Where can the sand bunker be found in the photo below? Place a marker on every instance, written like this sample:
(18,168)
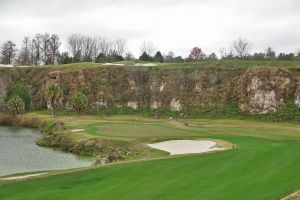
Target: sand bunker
(146,64)
(77,130)
(22,177)
(112,64)
(177,147)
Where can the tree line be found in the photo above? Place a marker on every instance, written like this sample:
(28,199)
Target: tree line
(44,49)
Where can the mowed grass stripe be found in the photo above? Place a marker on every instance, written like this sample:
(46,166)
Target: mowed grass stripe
(258,169)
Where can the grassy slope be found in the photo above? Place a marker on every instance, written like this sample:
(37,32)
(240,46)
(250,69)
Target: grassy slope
(203,64)
(265,166)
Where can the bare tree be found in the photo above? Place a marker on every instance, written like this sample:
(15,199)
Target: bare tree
(25,53)
(223,52)
(74,43)
(270,53)
(45,47)
(54,48)
(8,52)
(129,56)
(88,48)
(147,47)
(241,47)
(119,46)
(104,45)
(36,49)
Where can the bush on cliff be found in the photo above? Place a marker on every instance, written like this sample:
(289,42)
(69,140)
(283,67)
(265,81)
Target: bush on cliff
(21,90)
(79,102)
(16,105)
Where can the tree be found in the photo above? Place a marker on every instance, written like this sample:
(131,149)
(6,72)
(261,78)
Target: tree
(36,49)
(259,56)
(196,54)
(74,44)
(241,47)
(101,58)
(16,105)
(148,48)
(25,54)
(64,58)
(145,57)
(103,46)
(270,53)
(54,94)
(298,56)
(79,102)
(169,57)
(119,46)
(45,47)
(115,58)
(287,57)
(158,57)
(129,56)
(88,48)
(212,56)
(178,59)
(223,52)
(8,52)
(54,48)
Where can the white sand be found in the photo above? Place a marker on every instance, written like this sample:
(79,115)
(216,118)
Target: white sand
(77,130)
(112,64)
(146,64)
(177,147)
(23,66)
(22,177)
(1,65)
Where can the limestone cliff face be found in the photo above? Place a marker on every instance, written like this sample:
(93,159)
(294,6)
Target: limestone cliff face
(257,90)
(5,80)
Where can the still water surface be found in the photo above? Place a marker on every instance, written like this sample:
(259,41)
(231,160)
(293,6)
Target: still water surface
(19,153)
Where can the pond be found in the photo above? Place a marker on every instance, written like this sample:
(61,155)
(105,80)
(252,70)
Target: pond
(19,153)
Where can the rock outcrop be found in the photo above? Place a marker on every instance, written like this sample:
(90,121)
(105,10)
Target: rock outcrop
(256,90)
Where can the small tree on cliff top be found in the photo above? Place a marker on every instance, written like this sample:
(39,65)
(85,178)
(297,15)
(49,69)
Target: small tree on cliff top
(54,94)
(16,105)
(196,54)
(79,102)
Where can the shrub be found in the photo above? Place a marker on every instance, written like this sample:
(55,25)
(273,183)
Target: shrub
(21,90)
(79,102)
(16,105)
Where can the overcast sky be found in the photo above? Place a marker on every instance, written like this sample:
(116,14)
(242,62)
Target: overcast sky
(176,25)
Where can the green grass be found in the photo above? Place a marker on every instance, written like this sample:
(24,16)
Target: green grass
(265,166)
(232,64)
(137,130)
(287,113)
(203,64)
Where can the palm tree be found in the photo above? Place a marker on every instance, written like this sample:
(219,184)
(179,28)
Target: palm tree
(54,94)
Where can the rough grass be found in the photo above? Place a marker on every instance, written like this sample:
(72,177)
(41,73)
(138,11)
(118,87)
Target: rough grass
(203,64)
(264,166)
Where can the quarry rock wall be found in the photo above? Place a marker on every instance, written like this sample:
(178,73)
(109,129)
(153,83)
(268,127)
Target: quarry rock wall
(257,90)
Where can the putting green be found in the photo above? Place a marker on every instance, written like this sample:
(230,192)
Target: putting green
(134,131)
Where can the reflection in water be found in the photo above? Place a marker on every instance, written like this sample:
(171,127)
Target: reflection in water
(19,153)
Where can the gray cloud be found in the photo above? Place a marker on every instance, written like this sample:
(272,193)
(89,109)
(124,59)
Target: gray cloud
(170,24)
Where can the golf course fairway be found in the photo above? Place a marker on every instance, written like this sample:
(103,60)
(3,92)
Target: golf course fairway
(265,165)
